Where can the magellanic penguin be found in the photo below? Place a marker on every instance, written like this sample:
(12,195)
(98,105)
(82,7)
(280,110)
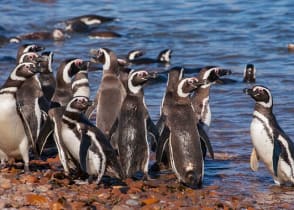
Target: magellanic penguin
(182,137)
(30,100)
(65,72)
(200,98)
(28,48)
(85,23)
(270,143)
(163,57)
(14,142)
(129,135)
(249,74)
(175,74)
(56,34)
(111,92)
(47,78)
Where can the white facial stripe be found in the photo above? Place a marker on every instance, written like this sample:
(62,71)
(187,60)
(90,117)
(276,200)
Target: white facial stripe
(207,73)
(166,56)
(13,75)
(133,55)
(9,89)
(132,88)
(28,48)
(254,71)
(106,66)
(80,81)
(180,89)
(50,62)
(65,74)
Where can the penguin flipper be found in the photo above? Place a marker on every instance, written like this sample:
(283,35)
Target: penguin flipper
(84,147)
(161,124)
(44,134)
(113,135)
(160,150)
(205,139)
(26,127)
(276,155)
(254,160)
(152,130)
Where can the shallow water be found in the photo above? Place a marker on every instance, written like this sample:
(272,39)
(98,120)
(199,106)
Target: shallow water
(225,33)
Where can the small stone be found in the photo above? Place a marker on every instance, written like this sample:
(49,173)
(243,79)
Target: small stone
(134,196)
(5,183)
(132,202)
(121,207)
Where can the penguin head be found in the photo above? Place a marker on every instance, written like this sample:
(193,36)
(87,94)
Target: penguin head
(261,95)
(249,73)
(137,79)
(45,62)
(28,57)
(23,71)
(78,104)
(133,54)
(192,179)
(28,48)
(58,34)
(77,65)
(175,74)
(104,56)
(211,74)
(187,86)
(165,56)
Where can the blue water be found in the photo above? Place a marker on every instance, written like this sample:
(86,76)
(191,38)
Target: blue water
(226,33)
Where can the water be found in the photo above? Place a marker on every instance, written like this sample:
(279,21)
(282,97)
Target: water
(225,33)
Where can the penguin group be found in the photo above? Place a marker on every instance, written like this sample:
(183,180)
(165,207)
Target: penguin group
(41,104)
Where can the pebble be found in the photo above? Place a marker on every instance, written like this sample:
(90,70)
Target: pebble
(132,202)
(122,207)
(134,196)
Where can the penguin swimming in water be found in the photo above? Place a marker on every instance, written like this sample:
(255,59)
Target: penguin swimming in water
(129,135)
(249,73)
(182,137)
(67,69)
(14,142)
(270,143)
(111,92)
(164,57)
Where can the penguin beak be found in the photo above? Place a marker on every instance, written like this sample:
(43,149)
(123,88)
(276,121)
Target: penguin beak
(90,103)
(151,75)
(39,48)
(85,65)
(248,91)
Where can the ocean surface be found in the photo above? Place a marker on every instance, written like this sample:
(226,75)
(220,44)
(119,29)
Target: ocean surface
(228,34)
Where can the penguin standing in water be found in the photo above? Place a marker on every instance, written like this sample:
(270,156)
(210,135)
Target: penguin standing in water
(182,137)
(249,75)
(270,143)
(111,92)
(129,135)
(14,142)
(65,72)
(200,98)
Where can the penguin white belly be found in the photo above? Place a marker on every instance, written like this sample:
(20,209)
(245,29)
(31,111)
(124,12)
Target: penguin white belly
(71,142)
(11,130)
(262,143)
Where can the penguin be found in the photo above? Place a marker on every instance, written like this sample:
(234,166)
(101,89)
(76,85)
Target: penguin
(85,23)
(31,103)
(249,75)
(111,92)
(133,54)
(163,57)
(28,48)
(182,137)
(270,143)
(103,35)
(47,78)
(200,99)
(14,142)
(130,132)
(56,34)
(66,70)
(175,74)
